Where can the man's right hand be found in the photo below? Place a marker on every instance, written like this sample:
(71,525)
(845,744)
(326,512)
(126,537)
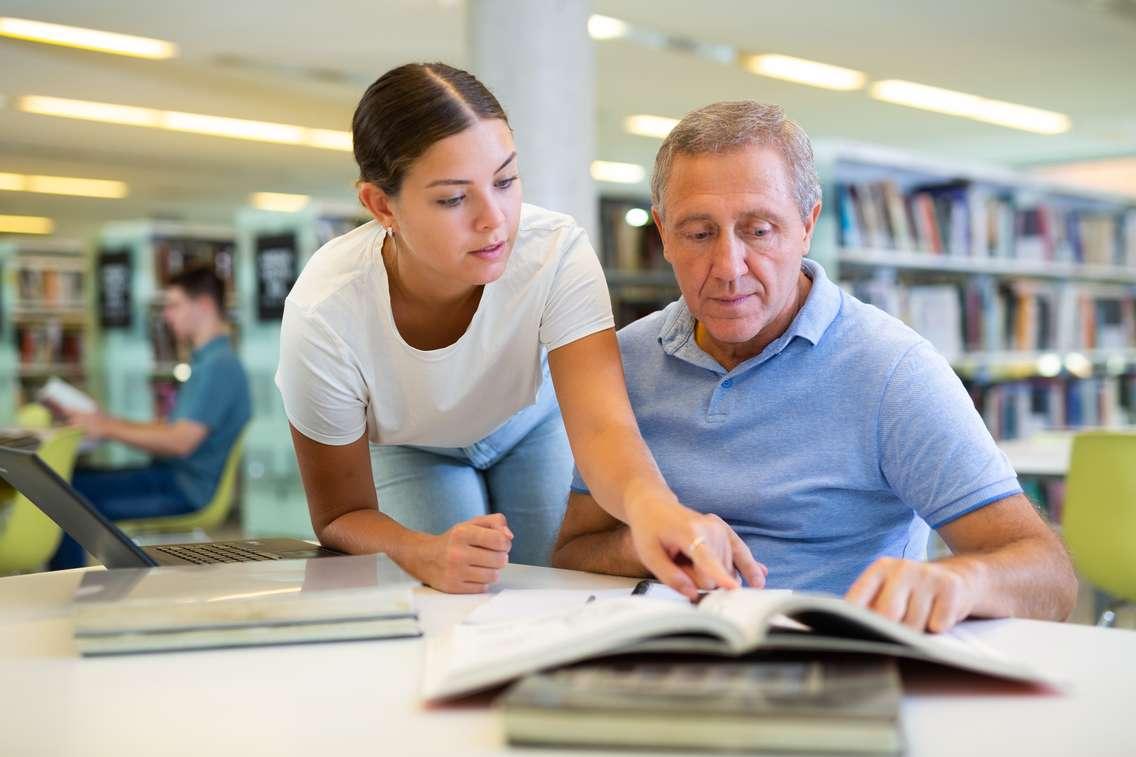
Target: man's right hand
(467,559)
(688,550)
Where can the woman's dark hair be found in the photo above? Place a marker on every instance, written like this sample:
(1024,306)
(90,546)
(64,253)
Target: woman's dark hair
(201,281)
(407,110)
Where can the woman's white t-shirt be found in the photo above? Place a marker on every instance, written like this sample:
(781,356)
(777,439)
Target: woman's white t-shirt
(345,369)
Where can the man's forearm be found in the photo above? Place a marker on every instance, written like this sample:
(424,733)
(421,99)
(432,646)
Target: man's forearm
(608,551)
(154,438)
(1029,578)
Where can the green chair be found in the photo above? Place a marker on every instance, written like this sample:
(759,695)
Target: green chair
(33,415)
(1099,520)
(28,538)
(211,516)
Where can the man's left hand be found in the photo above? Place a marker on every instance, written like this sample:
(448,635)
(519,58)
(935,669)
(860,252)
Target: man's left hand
(931,596)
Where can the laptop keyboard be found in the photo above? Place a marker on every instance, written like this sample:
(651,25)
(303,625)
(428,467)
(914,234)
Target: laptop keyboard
(202,554)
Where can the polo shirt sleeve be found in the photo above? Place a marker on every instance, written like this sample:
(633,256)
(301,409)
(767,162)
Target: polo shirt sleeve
(934,449)
(578,303)
(325,397)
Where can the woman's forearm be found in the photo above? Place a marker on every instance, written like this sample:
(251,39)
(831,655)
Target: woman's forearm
(367,531)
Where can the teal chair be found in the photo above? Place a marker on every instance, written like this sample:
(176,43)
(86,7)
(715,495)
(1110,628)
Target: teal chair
(1099,520)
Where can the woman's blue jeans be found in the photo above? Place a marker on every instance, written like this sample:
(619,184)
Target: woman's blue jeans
(522,470)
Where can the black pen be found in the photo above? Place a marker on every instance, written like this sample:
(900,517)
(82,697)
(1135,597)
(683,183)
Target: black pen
(642,587)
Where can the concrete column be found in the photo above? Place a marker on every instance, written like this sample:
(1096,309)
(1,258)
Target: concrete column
(537,58)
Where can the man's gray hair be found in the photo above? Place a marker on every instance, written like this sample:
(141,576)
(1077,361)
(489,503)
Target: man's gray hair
(726,126)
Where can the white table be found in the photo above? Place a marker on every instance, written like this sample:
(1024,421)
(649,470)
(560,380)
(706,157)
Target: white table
(360,698)
(1045,454)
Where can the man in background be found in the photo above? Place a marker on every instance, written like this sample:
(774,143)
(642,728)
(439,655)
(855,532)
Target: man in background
(190,447)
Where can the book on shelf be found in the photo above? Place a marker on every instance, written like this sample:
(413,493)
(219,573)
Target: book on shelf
(49,342)
(243,604)
(1021,315)
(849,705)
(472,658)
(967,219)
(1017,409)
(49,287)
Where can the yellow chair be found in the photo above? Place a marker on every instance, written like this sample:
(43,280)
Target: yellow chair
(1099,519)
(28,538)
(33,415)
(212,515)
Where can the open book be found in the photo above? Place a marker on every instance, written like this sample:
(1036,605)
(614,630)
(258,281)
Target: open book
(60,396)
(727,623)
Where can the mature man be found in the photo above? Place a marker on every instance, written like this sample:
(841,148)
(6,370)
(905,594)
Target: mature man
(190,447)
(824,432)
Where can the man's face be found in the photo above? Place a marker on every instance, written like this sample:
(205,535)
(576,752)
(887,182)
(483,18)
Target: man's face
(734,235)
(180,312)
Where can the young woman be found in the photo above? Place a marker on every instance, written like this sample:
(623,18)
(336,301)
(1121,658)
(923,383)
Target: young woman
(417,353)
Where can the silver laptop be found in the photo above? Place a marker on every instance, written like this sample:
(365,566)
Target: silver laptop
(28,474)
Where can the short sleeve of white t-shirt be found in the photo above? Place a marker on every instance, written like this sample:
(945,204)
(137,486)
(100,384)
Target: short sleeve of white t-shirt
(326,398)
(345,370)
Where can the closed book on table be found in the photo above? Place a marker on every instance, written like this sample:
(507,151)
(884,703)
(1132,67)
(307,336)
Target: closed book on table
(243,604)
(843,705)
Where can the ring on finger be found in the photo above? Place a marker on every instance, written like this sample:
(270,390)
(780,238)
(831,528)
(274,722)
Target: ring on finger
(698,542)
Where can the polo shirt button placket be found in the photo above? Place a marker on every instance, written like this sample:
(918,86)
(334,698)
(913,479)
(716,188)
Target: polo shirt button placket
(716,412)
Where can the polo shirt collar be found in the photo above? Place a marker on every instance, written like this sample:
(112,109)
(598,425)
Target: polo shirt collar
(676,335)
(213,345)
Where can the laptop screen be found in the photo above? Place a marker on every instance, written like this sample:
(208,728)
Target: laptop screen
(59,501)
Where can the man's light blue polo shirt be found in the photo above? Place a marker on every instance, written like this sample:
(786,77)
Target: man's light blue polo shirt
(836,445)
(217,396)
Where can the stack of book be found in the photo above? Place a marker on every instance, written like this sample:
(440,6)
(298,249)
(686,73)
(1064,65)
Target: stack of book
(243,604)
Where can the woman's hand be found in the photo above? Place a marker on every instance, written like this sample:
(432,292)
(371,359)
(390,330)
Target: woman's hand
(689,551)
(467,559)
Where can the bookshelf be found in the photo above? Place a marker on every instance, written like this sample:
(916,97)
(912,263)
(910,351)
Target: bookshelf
(142,363)
(46,319)
(1027,287)
(272,248)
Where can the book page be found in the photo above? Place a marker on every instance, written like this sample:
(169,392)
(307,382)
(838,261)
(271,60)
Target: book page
(749,610)
(475,656)
(59,393)
(517,604)
(484,645)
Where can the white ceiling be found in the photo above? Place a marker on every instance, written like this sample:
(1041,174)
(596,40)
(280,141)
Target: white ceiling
(307,64)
